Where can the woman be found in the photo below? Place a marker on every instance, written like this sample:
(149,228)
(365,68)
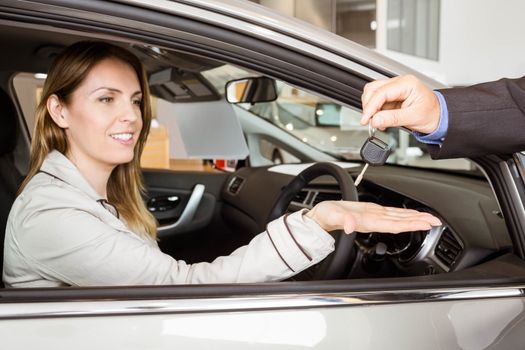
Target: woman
(80,220)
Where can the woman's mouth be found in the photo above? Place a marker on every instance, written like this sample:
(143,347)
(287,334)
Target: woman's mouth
(124,138)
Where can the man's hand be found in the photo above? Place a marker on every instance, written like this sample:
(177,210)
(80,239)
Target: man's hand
(369,217)
(400,101)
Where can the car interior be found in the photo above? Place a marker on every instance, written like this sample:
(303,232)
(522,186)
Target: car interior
(229,208)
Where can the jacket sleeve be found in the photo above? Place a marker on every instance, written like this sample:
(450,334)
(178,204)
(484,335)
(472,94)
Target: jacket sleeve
(78,249)
(487,118)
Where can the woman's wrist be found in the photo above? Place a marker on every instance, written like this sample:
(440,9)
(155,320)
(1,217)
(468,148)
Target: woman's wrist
(309,213)
(313,215)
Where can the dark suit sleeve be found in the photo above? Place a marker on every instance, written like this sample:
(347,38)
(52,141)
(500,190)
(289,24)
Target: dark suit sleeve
(488,118)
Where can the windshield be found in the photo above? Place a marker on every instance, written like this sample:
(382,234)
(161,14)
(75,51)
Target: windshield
(330,126)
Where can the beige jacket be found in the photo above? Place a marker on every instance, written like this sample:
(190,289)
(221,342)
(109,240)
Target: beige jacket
(59,235)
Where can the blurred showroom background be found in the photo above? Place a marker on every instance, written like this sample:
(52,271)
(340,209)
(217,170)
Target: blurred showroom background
(457,42)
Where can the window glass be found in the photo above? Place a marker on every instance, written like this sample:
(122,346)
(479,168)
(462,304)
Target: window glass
(276,154)
(323,124)
(319,122)
(335,129)
(28,89)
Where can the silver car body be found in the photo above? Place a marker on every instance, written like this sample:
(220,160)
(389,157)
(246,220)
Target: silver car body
(437,319)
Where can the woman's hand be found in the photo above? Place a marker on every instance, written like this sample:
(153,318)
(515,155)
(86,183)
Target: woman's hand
(369,217)
(400,101)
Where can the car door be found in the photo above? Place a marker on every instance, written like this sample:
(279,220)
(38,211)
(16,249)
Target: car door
(480,307)
(187,206)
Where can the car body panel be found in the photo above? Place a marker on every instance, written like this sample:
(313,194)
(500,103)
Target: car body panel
(466,319)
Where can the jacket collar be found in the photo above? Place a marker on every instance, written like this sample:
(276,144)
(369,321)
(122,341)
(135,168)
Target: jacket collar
(58,165)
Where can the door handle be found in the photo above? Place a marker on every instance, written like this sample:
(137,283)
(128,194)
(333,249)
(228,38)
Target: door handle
(187,214)
(163,207)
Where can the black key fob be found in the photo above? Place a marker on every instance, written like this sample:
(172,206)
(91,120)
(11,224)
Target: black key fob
(375,152)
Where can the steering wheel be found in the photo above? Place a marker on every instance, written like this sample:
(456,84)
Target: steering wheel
(334,265)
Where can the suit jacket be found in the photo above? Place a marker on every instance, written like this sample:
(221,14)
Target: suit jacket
(487,118)
(59,235)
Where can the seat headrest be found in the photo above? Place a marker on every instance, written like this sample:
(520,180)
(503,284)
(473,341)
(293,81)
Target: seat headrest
(8,122)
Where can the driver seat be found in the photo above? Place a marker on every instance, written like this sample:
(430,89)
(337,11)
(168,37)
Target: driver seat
(10,177)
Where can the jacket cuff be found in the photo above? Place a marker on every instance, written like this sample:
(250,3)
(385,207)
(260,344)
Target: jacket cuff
(299,241)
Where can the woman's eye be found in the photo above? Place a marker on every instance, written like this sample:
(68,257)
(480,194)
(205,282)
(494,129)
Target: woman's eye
(106,99)
(137,102)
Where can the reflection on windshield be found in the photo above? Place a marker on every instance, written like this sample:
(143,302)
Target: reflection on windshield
(281,115)
(323,124)
(329,126)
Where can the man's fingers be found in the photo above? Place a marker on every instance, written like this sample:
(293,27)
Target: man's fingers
(371,88)
(391,105)
(390,118)
(376,95)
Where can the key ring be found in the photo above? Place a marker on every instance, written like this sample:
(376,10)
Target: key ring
(371,130)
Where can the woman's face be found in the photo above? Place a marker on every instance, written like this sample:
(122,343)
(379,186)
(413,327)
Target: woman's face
(103,118)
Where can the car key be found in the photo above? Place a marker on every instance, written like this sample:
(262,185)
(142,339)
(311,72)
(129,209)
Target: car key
(374,152)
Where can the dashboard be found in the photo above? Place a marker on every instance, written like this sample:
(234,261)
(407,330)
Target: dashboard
(409,253)
(473,228)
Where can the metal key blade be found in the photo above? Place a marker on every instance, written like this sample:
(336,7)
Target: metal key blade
(360,176)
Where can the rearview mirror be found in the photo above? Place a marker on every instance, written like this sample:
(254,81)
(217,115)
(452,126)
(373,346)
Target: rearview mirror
(251,90)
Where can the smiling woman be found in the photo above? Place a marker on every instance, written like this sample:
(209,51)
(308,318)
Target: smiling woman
(88,98)
(80,219)
(101,123)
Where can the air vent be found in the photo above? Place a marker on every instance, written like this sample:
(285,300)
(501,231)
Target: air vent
(448,248)
(326,196)
(300,197)
(235,185)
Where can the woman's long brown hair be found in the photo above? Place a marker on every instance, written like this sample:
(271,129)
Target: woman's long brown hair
(68,71)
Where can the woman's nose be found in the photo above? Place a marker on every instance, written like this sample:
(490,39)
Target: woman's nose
(131,113)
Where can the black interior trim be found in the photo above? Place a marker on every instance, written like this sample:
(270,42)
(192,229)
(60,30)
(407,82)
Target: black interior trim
(185,180)
(491,166)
